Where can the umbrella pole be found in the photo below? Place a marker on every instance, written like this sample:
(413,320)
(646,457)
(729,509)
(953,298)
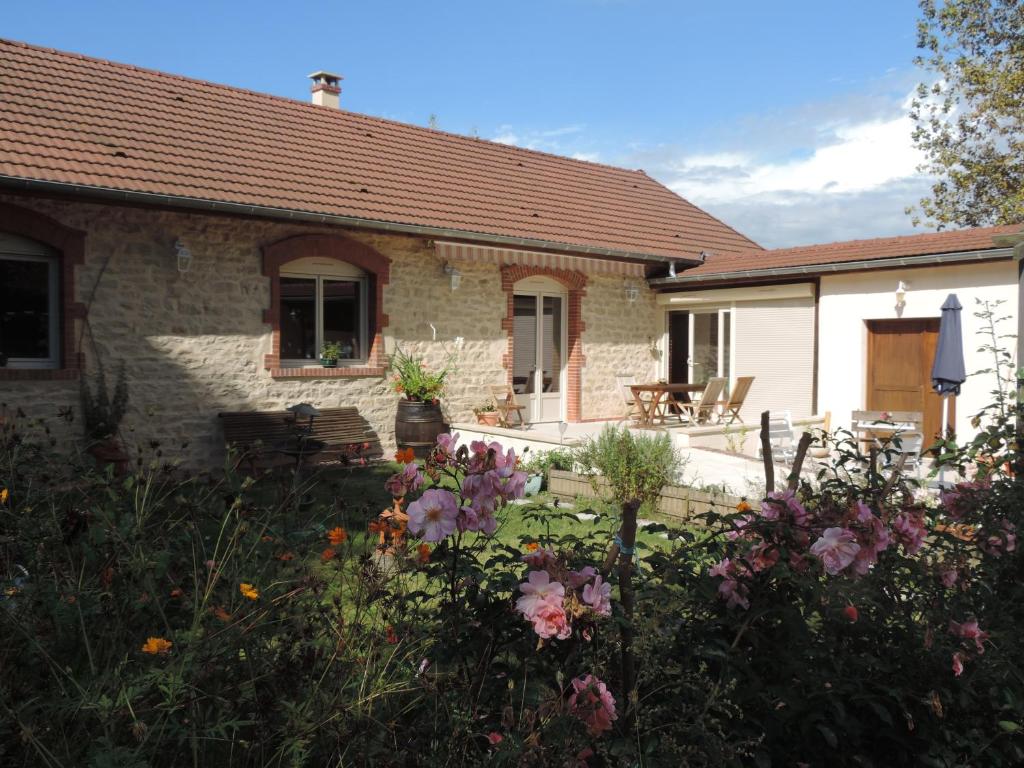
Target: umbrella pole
(942,437)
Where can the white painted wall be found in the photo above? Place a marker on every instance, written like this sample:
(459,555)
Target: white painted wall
(847,301)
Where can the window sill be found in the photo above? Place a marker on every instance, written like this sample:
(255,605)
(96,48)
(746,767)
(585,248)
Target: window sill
(39,374)
(348,372)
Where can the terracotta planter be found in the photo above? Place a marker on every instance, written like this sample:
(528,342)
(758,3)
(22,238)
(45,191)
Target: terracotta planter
(490,418)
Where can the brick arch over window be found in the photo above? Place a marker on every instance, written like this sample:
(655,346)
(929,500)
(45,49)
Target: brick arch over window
(339,248)
(70,243)
(576,285)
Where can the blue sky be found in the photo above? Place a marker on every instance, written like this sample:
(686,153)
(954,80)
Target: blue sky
(787,119)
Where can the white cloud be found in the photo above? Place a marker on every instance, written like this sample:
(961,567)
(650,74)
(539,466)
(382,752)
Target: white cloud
(839,170)
(546,140)
(859,158)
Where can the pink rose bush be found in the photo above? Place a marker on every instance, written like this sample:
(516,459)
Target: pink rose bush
(485,475)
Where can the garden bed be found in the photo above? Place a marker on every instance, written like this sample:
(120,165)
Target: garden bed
(677,502)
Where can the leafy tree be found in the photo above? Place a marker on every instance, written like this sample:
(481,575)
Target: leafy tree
(970,118)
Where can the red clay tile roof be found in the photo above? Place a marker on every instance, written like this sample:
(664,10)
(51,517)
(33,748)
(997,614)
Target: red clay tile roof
(957,241)
(116,126)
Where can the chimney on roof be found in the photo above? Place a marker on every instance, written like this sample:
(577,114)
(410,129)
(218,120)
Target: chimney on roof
(326,89)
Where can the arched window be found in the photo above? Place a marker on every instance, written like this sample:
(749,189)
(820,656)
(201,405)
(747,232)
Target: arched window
(30,305)
(323,301)
(325,288)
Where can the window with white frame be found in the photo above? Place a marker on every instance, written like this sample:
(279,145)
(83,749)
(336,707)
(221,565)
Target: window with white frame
(29,304)
(323,301)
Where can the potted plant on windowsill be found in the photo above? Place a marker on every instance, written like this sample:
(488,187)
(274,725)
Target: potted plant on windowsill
(487,414)
(102,414)
(329,354)
(419,419)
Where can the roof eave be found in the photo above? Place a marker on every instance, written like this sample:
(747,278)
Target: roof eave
(811,270)
(469,236)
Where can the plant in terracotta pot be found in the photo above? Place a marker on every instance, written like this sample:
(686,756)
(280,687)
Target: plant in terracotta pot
(329,354)
(102,413)
(419,419)
(487,414)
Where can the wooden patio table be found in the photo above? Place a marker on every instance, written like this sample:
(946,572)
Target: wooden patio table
(657,392)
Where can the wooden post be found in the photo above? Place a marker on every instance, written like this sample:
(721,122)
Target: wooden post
(766,454)
(798,460)
(1018,254)
(627,535)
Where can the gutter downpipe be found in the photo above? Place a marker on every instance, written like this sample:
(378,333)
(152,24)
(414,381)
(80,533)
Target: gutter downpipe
(957,257)
(243,209)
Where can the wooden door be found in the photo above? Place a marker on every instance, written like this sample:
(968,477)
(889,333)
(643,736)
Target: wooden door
(900,355)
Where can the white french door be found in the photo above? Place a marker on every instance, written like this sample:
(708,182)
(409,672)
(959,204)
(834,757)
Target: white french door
(539,353)
(710,345)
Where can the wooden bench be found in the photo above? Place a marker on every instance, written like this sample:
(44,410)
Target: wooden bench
(256,436)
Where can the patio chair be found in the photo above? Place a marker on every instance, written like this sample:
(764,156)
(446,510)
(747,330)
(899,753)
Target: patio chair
(508,408)
(731,407)
(780,436)
(624,382)
(702,411)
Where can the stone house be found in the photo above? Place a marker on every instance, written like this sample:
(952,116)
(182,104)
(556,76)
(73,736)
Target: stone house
(213,239)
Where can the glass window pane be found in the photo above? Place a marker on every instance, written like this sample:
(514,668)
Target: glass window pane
(705,347)
(25,309)
(524,343)
(552,344)
(298,318)
(342,312)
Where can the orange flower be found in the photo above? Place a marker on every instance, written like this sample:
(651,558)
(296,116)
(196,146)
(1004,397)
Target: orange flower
(391,636)
(155,645)
(221,614)
(328,554)
(177,592)
(405,456)
(337,536)
(249,591)
(4,495)
(377,527)
(533,546)
(399,529)
(423,550)
(743,506)
(284,557)
(266,538)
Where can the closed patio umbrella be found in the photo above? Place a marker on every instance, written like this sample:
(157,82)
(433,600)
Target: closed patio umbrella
(948,371)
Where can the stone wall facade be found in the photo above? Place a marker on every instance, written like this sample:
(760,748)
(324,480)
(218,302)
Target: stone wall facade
(194,344)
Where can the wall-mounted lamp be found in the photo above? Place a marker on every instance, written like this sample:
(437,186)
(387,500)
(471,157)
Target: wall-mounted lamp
(454,276)
(631,291)
(901,294)
(184,256)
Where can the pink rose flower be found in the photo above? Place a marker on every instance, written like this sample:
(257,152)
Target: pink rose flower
(549,620)
(969,630)
(433,515)
(593,703)
(537,589)
(910,532)
(578,578)
(599,596)
(541,558)
(958,663)
(836,549)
